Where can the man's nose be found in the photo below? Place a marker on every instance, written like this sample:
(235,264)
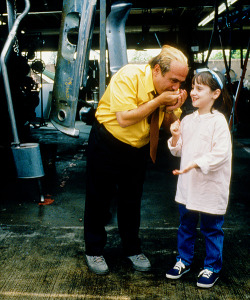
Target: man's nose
(176,86)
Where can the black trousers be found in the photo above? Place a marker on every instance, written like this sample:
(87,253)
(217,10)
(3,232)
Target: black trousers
(113,168)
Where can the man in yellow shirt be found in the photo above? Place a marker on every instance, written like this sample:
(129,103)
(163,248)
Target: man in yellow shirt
(118,150)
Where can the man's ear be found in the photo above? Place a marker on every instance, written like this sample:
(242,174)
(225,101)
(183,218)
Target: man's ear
(156,69)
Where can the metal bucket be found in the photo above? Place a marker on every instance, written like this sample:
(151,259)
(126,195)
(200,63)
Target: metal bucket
(28,160)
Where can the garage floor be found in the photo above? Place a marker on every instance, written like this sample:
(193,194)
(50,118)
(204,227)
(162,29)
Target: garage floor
(42,246)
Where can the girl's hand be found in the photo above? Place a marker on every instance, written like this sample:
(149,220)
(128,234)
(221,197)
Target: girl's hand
(191,166)
(175,128)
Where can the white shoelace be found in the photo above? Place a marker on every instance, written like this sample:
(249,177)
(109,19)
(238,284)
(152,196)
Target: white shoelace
(98,259)
(205,273)
(179,265)
(140,257)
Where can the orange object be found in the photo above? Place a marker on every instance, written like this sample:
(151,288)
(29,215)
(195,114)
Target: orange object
(47,200)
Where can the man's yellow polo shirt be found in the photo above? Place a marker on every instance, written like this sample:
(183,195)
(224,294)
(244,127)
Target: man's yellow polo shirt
(129,88)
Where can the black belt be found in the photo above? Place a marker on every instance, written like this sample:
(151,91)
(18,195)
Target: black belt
(108,137)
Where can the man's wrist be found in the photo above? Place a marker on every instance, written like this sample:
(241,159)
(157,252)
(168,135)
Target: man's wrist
(168,111)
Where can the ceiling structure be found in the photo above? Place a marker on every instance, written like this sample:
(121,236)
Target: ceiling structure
(149,24)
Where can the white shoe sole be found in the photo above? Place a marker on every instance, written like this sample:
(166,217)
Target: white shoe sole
(206,286)
(97,272)
(141,269)
(178,276)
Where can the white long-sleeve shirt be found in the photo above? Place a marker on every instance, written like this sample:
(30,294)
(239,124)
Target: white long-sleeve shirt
(205,140)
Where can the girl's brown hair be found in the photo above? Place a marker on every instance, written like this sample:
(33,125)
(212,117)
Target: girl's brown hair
(224,102)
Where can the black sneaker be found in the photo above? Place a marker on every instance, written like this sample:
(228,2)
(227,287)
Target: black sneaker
(207,278)
(178,270)
(97,264)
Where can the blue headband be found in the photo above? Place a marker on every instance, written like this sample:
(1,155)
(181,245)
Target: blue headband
(214,75)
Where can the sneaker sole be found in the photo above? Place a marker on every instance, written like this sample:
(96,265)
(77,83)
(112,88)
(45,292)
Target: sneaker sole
(206,286)
(178,276)
(141,269)
(98,272)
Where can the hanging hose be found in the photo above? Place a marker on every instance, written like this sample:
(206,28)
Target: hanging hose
(214,30)
(237,96)
(8,44)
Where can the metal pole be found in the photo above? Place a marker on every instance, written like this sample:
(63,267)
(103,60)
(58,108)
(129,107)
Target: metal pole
(102,68)
(11,13)
(7,45)
(157,40)
(42,121)
(11,20)
(239,87)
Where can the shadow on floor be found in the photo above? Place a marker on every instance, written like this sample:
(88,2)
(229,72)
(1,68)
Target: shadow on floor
(42,247)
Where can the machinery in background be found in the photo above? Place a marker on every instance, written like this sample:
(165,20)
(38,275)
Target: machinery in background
(76,90)
(73,77)
(72,62)
(27,157)
(89,95)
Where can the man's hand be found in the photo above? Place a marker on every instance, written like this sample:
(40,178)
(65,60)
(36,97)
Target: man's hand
(182,96)
(172,100)
(191,166)
(168,98)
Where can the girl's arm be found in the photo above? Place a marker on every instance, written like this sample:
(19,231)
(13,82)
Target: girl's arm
(175,129)
(220,153)
(221,149)
(191,166)
(174,143)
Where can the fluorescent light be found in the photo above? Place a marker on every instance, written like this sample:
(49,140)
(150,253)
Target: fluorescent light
(221,8)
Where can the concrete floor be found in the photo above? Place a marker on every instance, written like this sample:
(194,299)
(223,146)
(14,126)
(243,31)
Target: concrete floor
(42,247)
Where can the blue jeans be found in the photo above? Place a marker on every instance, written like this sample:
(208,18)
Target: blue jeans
(211,228)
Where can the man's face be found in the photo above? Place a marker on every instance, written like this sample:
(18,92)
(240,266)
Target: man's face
(172,80)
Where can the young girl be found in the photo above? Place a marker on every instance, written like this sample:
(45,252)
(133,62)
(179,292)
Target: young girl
(203,141)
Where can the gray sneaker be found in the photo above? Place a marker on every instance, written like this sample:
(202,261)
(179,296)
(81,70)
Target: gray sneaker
(140,262)
(97,264)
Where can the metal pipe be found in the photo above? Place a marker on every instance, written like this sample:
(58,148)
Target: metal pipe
(239,87)
(116,39)
(11,20)
(157,40)
(102,66)
(11,13)
(6,47)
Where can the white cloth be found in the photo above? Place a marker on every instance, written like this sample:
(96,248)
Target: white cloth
(205,140)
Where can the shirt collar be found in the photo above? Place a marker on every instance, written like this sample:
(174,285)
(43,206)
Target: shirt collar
(149,85)
(199,117)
